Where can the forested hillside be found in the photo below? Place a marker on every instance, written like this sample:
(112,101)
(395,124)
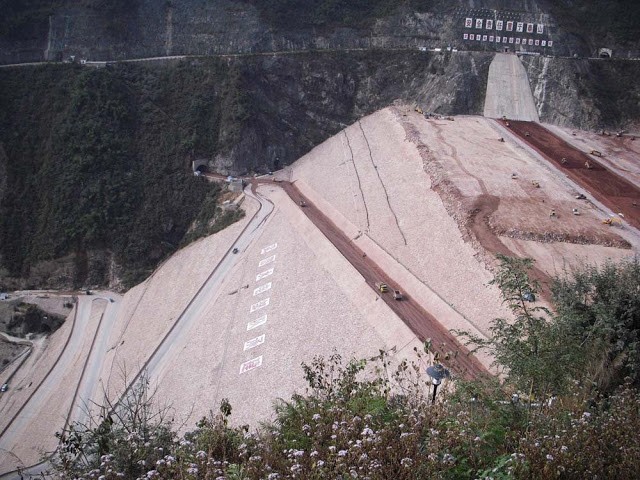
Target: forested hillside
(97,167)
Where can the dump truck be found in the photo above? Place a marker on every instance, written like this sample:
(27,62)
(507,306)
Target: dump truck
(382,287)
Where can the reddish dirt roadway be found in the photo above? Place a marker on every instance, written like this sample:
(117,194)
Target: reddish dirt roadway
(417,319)
(612,190)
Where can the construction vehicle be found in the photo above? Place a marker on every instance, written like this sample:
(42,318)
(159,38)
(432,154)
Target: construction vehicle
(588,165)
(419,110)
(580,196)
(535,184)
(514,176)
(595,153)
(397,295)
(501,139)
(526,134)
(382,287)
(563,161)
(303,203)
(575,211)
(611,221)
(552,213)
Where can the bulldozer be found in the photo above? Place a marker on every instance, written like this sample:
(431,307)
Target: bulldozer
(382,287)
(596,153)
(611,221)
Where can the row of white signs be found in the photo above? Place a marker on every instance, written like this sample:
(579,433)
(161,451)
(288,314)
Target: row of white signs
(500,24)
(517,41)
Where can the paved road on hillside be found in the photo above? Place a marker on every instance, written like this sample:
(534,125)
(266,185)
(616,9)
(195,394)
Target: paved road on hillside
(161,358)
(83,331)
(508,90)
(175,339)
(421,322)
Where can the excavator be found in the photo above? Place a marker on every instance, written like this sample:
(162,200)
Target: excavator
(611,221)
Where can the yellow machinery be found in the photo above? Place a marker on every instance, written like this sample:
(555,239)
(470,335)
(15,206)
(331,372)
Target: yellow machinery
(595,153)
(535,184)
(612,221)
(382,287)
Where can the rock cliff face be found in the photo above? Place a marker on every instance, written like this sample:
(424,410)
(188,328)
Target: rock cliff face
(99,30)
(297,101)
(585,93)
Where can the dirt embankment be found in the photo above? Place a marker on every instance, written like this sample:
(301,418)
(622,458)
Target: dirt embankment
(472,214)
(613,191)
(421,322)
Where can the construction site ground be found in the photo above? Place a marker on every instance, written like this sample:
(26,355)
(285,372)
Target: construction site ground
(620,154)
(428,201)
(617,193)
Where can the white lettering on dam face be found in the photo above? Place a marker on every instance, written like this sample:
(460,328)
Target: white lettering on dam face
(251,364)
(267,261)
(254,342)
(262,289)
(256,323)
(268,249)
(259,305)
(264,274)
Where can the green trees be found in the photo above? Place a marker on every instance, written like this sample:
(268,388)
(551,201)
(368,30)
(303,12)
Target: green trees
(529,349)
(99,160)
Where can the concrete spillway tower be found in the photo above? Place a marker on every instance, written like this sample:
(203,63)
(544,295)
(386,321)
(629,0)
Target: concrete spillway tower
(508,90)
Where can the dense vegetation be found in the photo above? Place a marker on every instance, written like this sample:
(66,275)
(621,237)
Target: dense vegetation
(28,318)
(296,14)
(600,20)
(356,421)
(99,160)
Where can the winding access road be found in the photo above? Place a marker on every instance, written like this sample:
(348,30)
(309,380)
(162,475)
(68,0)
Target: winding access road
(87,388)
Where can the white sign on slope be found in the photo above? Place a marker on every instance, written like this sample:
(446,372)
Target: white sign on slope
(256,323)
(262,289)
(267,261)
(268,249)
(264,274)
(251,364)
(259,305)
(254,342)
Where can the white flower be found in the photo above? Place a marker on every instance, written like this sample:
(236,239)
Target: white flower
(316,417)
(298,453)
(586,415)
(201,455)
(406,462)
(477,439)
(152,473)
(320,463)
(192,470)
(549,457)
(563,448)
(273,476)
(366,432)
(342,453)
(314,453)
(448,458)
(332,448)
